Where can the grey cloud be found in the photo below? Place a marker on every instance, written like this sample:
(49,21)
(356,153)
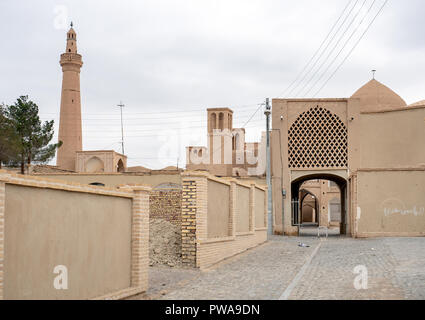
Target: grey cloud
(162,56)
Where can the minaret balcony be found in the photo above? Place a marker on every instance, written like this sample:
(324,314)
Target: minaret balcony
(73,58)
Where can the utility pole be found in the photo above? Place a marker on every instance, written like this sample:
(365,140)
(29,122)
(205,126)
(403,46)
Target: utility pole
(267,112)
(121,105)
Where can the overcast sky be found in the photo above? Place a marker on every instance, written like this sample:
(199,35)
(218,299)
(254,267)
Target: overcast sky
(170,60)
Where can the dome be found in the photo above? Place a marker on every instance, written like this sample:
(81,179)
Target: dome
(374,96)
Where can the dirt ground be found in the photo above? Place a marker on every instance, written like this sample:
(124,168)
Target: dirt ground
(164,244)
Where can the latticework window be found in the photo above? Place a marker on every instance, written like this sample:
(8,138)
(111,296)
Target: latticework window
(318,139)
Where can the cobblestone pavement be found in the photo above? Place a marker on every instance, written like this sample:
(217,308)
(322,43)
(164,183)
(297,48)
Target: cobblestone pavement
(164,279)
(396,270)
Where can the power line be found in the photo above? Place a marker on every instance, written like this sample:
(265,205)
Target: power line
(332,50)
(167,120)
(326,48)
(56,115)
(317,51)
(156,135)
(168,111)
(342,49)
(157,126)
(253,115)
(354,47)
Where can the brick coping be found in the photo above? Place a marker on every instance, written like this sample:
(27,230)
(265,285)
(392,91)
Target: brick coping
(391,169)
(230,238)
(390,234)
(226,181)
(121,294)
(407,108)
(56,184)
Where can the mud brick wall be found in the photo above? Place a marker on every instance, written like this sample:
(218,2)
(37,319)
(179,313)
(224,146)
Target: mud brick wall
(167,205)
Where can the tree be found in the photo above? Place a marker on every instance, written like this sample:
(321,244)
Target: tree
(8,139)
(32,137)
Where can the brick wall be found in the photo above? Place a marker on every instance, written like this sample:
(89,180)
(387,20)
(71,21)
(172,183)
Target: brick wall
(202,251)
(167,205)
(189,222)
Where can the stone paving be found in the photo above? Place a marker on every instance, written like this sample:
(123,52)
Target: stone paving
(396,270)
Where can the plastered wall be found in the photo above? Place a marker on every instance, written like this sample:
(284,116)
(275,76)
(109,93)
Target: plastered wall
(393,139)
(99,234)
(90,234)
(259,208)
(392,203)
(242,209)
(218,209)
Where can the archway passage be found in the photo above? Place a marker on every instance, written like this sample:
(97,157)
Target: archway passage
(309,210)
(319,200)
(120,166)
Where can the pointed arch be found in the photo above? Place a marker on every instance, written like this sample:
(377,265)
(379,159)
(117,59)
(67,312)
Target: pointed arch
(221,121)
(213,121)
(120,166)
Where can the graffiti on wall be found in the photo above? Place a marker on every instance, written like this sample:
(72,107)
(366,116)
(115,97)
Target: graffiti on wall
(398,207)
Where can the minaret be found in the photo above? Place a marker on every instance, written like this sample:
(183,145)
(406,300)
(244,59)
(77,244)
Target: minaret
(70,132)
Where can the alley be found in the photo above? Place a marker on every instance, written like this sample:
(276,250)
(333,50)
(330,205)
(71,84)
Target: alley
(281,269)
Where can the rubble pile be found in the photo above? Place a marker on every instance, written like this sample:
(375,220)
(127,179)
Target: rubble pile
(164,243)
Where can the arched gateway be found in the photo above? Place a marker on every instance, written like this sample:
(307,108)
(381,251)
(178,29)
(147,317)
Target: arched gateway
(360,151)
(317,141)
(316,135)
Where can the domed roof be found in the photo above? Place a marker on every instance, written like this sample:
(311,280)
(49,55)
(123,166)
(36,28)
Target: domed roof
(374,96)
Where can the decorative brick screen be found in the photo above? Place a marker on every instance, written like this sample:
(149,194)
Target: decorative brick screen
(318,139)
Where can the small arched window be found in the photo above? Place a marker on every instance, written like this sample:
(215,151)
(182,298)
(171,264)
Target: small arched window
(213,122)
(221,121)
(120,166)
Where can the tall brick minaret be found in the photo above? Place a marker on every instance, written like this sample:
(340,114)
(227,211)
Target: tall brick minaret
(70,132)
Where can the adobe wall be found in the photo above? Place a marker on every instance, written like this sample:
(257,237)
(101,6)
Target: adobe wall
(99,234)
(117,179)
(393,139)
(390,203)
